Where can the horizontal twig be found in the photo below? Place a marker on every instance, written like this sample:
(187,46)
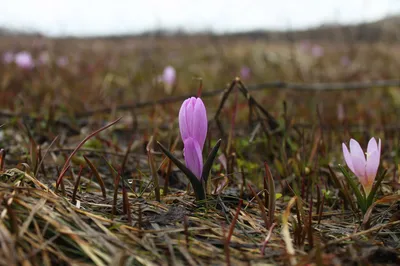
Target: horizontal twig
(257,87)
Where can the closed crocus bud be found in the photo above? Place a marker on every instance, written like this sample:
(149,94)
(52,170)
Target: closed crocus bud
(193,120)
(193,128)
(364,167)
(24,60)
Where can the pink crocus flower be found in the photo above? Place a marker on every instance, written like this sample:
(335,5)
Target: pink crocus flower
(364,167)
(193,127)
(24,60)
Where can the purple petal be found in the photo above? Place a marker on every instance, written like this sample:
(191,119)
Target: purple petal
(24,60)
(359,168)
(193,157)
(372,166)
(200,122)
(372,146)
(355,150)
(347,157)
(183,126)
(190,116)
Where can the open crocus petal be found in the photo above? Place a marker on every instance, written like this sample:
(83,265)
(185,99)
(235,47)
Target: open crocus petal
(347,157)
(372,166)
(193,157)
(359,168)
(372,146)
(355,150)
(200,122)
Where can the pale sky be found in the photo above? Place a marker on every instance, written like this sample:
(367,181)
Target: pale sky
(99,17)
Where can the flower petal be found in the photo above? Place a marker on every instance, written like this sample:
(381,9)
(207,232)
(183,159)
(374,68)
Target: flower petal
(355,150)
(359,168)
(200,122)
(193,157)
(372,165)
(347,157)
(183,126)
(190,116)
(372,146)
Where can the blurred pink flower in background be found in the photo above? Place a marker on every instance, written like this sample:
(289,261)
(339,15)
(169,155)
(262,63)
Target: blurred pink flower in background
(62,61)
(345,61)
(305,45)
(44,58)
(245,72)
(24,60)
(317,50)
(340,112)
(169,75)
(8,57)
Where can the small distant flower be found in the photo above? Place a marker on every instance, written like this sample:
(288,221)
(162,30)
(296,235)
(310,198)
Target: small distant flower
(62,61)
(193,127)
(345,61)
(340,112)
(38,44)
(365,168)
(317,50)
(8,57)
(24,60)
(44,58)
(169,75)
(245,72)
(305,45)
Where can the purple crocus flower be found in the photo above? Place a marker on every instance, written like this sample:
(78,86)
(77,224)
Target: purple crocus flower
(169,75)
(364,168)
(24,60)
(193,127)
(8,57)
